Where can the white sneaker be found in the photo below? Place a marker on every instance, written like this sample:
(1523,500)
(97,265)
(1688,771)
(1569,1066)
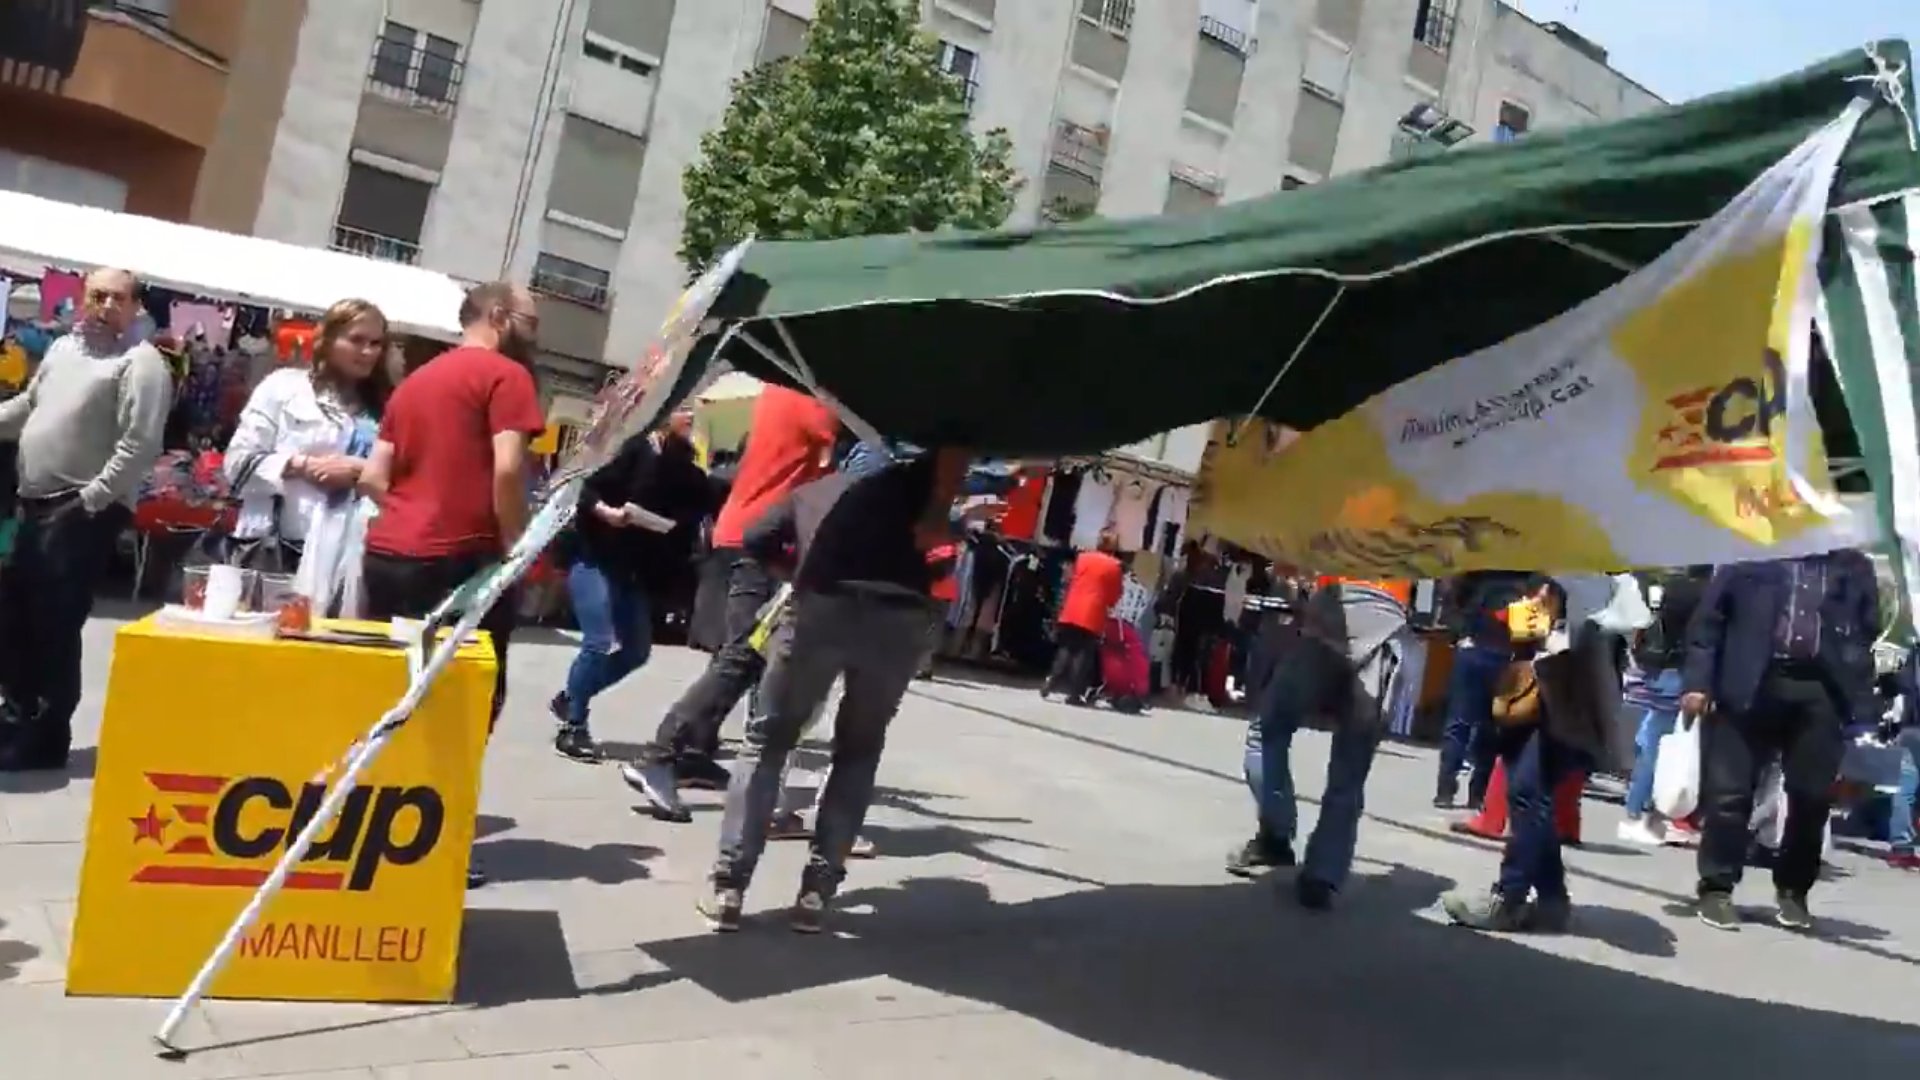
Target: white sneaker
(1644,832)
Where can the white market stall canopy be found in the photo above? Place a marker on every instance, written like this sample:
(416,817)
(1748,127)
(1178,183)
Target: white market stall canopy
(226,266)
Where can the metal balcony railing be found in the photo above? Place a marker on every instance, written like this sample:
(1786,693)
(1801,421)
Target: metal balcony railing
(1115,15)
(375,246)
(969,90)
(560,285)
(1232,37)
(424,80)
(1080,150)
(1436,23)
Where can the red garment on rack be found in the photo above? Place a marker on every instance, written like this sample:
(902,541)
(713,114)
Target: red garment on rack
(1022,518)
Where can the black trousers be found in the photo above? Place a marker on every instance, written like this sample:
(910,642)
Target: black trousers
(399,586)
(1794,717)
(46,595)
(692,725)
(1076,661)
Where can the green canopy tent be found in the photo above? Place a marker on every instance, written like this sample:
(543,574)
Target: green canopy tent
(1299,306)
(1087,336)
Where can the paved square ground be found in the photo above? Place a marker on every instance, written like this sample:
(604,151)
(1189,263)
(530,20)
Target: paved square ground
(1048,903)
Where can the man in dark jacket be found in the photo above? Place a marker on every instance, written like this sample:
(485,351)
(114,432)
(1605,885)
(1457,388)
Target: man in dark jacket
(1779,656)
(860,610)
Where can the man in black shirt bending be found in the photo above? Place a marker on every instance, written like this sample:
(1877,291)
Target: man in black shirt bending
(860,611)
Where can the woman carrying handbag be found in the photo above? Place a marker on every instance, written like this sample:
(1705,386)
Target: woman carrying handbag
(297,453)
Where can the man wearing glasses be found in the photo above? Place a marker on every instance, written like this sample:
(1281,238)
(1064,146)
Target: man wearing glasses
(89,424)
(449,468)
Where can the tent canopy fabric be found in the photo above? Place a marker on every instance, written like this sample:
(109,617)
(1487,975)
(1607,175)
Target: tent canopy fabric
(242,269)
(1298,306)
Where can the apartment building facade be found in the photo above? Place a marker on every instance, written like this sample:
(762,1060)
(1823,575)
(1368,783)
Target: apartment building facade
(545,139)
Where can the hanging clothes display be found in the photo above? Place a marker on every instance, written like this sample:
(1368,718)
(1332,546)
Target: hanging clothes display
(1022,518)
(1170,513)
(191,319)
(60,288)
(1065,492)
(1130,501)
(1092,511)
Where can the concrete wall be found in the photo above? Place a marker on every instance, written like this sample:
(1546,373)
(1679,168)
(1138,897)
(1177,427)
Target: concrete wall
(499,124)
(1026,87)
(712,41)
(307,168)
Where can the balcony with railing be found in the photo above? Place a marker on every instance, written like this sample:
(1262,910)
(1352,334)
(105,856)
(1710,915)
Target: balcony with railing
(1232,38)
(573,286)
(1081,150)
(419,78)
(375,246)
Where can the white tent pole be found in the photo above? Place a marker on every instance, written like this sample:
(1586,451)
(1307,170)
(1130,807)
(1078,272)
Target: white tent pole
(551,517)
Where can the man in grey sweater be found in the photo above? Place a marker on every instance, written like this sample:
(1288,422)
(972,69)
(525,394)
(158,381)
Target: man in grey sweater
(89,424)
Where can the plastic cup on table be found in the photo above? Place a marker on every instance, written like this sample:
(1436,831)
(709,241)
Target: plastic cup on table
(293,611)
(193,588)
(227,589)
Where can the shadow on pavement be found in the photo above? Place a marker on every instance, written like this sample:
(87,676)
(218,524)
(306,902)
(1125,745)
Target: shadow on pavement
(81,762)
(926,842)
(509,956)
(13,954)
(1228,982)
(529,859)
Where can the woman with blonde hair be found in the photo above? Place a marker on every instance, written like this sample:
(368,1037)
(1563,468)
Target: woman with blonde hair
(302,440)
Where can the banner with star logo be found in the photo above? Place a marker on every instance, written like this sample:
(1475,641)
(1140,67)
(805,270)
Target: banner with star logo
(1666,421)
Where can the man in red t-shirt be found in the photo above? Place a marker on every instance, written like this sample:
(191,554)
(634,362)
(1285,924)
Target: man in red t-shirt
(449,467)
(790,443)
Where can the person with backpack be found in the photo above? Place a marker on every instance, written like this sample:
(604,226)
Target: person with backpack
(1654,684)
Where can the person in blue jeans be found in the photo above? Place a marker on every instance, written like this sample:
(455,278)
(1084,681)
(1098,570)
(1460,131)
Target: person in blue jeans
(1531,890)
(634,530)
(1484,651)
(1659,693)
(1343,671)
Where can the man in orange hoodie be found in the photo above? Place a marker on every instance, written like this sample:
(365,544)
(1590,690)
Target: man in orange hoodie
(1096,584)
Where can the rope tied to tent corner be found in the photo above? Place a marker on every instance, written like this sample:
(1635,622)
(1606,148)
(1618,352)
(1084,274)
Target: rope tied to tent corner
(1889,81)
(1234,433)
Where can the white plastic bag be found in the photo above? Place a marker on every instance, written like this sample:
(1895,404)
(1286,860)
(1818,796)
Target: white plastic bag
(330,563)
(1676,771)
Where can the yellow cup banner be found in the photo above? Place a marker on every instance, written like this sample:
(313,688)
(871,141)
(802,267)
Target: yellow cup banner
(211,757)
(1663,422)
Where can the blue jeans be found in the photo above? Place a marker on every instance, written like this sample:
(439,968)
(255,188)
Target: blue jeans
(1531,864)
(616,635)
(1655,725)
(1476,671)
(1269,772)
(1900,832)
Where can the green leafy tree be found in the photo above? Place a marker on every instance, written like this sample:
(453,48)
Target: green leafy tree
(861,133)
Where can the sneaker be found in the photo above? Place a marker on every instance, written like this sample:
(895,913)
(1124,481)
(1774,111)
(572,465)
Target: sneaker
(654,780)
(1903,860)
(809,914)
(574,744)
(1489,911)
(1259,855)
(701,772)
(1313,894)
(862,849)
(1643,832)
(1550,915)
(476,874)
(1792,913)
(1717,910)
(1682,833)
(561,707)
(722,909)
